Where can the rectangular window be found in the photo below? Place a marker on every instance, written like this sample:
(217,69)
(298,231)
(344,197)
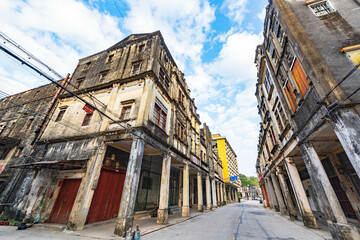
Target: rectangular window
(60,115)
(279,115)
(125,112)
(87,66)
(110,58)
(321,9)
(28,124)
(180,131)
(273,54)
(268,81)
(163,79)
(136,68)
(87,119)
(160,114)
(141,48)
(102,77)
(300,77)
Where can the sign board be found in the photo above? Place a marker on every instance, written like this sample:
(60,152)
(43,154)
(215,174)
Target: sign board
(88,109)
(233,178)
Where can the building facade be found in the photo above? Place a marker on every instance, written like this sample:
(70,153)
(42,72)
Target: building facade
(127,138)
(227,155)
(308,94)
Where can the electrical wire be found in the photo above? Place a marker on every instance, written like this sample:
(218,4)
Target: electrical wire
(127,127)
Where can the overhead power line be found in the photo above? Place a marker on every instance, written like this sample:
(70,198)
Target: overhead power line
(25,62)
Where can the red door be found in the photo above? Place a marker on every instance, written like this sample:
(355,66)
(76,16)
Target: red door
(65,201)
(106,200)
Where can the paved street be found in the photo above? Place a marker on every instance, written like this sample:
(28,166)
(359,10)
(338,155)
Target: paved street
(239,221)
(242,221)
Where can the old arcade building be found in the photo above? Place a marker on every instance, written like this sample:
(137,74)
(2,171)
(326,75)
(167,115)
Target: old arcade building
(307,91)
(138,145)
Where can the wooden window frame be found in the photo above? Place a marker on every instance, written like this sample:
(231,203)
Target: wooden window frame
(136,68)
(160,116)
(124,114)
(110,58)
(103,77)
(61,114)
(87,119)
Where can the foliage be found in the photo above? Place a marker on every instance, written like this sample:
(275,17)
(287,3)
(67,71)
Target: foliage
(251,181)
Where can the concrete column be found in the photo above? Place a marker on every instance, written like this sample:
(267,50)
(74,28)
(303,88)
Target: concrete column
(225,194)
(218,194)
(286,194)
(200,193)
(300,195)
(347,129)
(279,195)
(208,193)
(163,211)
(236,195)
(125,217)
(222,194)
(265,196)
(273,200)
(214,193)
(339,227)
(186,192)
(86,190)
(229,195)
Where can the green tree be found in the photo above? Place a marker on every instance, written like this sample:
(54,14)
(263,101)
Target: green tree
(251,181)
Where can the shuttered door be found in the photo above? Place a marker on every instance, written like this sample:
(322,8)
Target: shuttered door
(106,200)
(65,201)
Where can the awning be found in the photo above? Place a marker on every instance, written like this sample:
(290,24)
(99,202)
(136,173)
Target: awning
(60,165)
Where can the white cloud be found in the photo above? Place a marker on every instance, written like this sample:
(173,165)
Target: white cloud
(235,10)
(184,25)
(58,32)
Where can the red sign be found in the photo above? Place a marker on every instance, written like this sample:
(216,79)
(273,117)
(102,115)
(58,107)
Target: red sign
(88,109)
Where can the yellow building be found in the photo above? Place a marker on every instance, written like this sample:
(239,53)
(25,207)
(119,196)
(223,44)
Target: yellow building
(227,156)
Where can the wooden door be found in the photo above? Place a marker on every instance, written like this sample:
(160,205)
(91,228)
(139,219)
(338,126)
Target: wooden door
(106,200)
(65,201)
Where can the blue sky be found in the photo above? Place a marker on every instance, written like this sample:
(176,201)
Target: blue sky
(213,43)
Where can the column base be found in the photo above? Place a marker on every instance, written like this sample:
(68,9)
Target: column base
(200,208)
(214,206)
(74,226)
(283,211)
(208,207)
(309,221)
(343,231)
(123,225)
(185,211)
(163,216)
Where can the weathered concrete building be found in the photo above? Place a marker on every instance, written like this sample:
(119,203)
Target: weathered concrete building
(136,147)
(22,118)
(308,94)
(228,159)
